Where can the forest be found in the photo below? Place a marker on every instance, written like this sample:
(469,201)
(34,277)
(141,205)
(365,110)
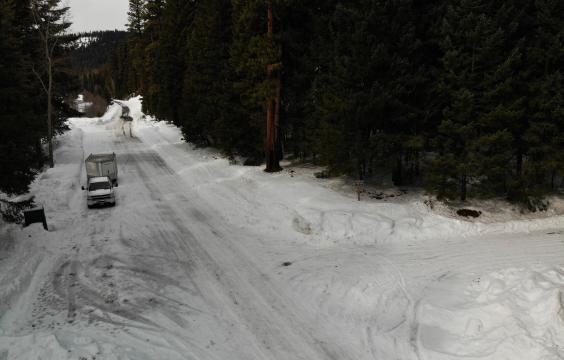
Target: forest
(463,98)
(90,59)
(34,81)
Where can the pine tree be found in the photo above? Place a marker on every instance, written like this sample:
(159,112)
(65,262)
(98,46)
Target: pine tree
(135,16)
(177,19)
(544,135)
(251,52)
(470,39)
(296,36)
(362,94)
(206,106)
(136,63)
(20,138)
(148,62)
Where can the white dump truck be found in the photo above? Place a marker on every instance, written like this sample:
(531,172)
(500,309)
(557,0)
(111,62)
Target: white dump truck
(102,165)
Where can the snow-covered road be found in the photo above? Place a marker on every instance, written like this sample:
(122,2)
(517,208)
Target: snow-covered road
(201,259)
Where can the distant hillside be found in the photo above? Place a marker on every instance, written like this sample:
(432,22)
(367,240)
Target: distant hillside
(90,60)
(94,49)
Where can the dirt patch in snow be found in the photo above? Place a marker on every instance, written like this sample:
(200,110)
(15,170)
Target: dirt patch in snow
(494,210)
(468,213)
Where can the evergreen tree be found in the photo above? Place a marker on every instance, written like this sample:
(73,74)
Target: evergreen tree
(177,19)
(206,106)
(470,39)
(135,17)
(21,152)
(150,84)
(544,135)
(362,95)
(296,36)
(250,54)
(136,64)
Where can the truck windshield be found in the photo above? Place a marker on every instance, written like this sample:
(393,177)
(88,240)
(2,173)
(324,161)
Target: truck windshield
(99,186)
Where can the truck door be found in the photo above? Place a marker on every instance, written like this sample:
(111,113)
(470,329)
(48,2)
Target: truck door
(92,169)
(108,169)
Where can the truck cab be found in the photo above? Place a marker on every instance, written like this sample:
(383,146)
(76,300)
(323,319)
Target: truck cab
(100,191)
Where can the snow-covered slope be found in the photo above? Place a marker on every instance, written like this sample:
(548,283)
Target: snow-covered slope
(201,259)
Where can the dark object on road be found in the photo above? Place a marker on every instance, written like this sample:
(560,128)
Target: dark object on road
(322,174)
(125,113)
(469,213)
(287,263)
(126,118)
(36,215)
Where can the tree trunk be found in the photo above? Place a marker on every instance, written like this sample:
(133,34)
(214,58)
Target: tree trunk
(519,164)
(417,166)
(360,169)
(272,107)
(463,187)
(49,103)
(44,28)
(271,158)
(397,173)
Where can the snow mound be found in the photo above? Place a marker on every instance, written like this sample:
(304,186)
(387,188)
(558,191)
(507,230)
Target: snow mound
(512,314)
(135,105)
(44,347)
(112,115)
(352,292)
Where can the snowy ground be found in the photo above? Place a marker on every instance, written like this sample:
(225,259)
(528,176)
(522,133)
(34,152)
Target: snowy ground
(205,260)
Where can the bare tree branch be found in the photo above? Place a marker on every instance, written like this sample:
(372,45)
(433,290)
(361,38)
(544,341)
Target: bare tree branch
(39,78)
(53,46)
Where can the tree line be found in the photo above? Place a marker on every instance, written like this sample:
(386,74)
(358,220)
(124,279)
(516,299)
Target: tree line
(463,97)
(90,60)
(33,84)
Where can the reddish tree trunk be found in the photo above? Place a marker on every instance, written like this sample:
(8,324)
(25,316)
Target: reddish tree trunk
(272,108)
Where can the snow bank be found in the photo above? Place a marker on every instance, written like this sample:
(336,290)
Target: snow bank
(201,258)
(26,253)
(513,314)
(304,206)
(112,115)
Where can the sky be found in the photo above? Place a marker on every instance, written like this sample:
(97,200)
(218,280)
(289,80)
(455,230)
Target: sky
(89,15)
